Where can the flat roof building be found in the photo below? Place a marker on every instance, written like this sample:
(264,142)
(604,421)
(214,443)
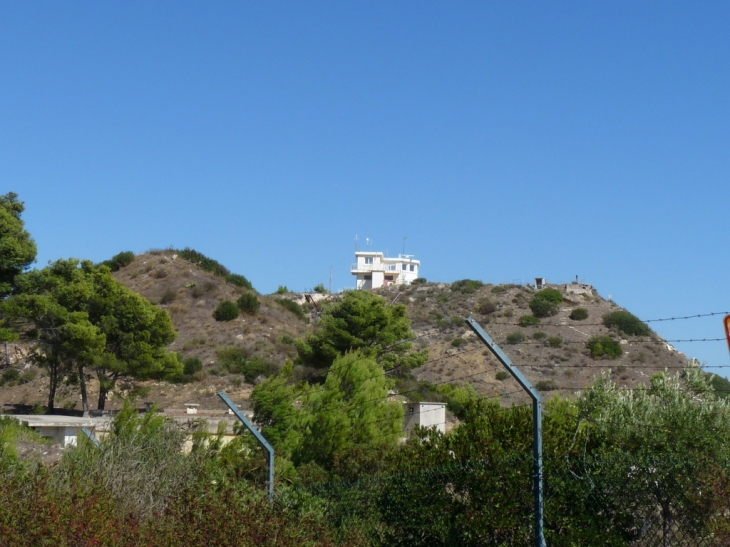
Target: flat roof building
(373,270)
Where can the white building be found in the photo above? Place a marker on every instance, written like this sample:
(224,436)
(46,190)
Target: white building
(373,270)
(426,415)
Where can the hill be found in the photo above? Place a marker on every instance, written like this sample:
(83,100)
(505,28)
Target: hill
(233,354)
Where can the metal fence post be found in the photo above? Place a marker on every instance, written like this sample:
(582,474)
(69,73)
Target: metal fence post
(536,424)
(259,437)
(86,431)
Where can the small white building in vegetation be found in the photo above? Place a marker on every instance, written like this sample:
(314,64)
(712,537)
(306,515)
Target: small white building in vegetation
(373,270)
(426,415)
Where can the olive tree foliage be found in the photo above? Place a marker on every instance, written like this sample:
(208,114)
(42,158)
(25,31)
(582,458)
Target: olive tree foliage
(82,319)
(362,321)
(17,248)
(313,424)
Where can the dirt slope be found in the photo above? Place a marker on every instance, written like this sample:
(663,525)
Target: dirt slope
(556,360)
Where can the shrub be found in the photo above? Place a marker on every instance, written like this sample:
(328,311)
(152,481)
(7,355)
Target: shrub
(192,365)
(10,376)
(207,264)
(499,289)
(626,322)
(119,261)
(239,281)
(419,281)
(159,273)
(235,361)
(458,342)
(546,385)
(551,295)
(515,338)
(528,321)
(601,346)
(543,308)
(321,289)
(168,296)
(292,306)
(248,303)
(282,290)
(226,311)
(486,306)
(539,335)
(555,341)
(578,314)
(466,286)
(502,375)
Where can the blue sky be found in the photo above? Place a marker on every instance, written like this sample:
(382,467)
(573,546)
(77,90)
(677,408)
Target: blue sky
(504,140)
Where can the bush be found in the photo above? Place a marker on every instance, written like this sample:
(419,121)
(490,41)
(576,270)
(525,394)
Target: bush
(248,303)
(546,385)
(543,308)
(282,290)
(604,346)
(499,289)
(235,361)
(551,295)
(168,296)
(579,314)
(192,365)
(486,306)
(208,264)
(502,375)
(292,306)
(239,281)
(466,286)
(528,321)
(119,261)
(555,341)
(226,311)
(458,342)
(626,322)
(539,335)
(515,338)
(321,289)
(10,376)
(419,281)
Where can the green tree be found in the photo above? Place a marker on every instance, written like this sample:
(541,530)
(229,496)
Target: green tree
(80,317)
(351,409)
(362,321)
(17,248)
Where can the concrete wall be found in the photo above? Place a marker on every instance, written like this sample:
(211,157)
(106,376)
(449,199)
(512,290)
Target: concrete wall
(425,415)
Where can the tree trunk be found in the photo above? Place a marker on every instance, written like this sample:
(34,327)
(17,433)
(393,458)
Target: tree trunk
(105,386)
(84,394)
(52,385)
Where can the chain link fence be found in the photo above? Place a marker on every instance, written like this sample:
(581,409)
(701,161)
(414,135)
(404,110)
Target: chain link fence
(613,500)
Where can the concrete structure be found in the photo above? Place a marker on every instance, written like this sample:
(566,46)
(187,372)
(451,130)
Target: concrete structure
(540,283)
(191,408)
(426,415)
(373,270)
(63,430)
(576,289)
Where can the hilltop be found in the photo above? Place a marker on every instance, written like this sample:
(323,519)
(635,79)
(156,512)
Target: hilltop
(235,354)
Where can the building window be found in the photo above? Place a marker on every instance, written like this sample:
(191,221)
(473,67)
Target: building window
(368,277)
(403,267)
(368,260)
(389,278)
(413,268)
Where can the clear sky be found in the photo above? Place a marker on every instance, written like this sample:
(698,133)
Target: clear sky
(505,140)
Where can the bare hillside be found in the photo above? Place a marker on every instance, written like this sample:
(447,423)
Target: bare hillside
(552,353)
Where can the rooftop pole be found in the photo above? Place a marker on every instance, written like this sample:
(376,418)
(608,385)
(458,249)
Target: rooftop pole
(536,424)
(257,434)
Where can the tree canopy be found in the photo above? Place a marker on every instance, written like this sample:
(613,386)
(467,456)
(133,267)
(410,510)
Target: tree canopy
(362,321)
(17,248)
(79,316)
